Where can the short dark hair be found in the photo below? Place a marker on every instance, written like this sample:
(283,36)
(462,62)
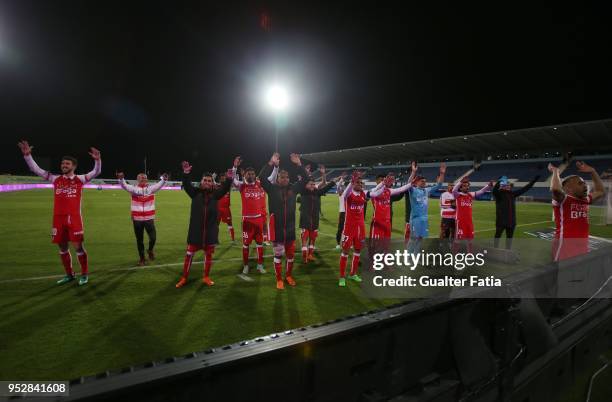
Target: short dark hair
(207,174)
(249,169)
(380,176)
(70,158)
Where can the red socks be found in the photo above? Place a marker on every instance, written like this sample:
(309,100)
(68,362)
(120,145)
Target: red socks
(82,256)
(259,254)
(343,260)
(207,263)
(355,263)
(67,262)
(278,269)
(187,264)
(231,232)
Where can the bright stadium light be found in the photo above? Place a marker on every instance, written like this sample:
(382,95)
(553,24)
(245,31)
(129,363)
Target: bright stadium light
(277,98)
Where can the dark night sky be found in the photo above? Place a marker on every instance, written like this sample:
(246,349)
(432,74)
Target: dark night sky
(179,82)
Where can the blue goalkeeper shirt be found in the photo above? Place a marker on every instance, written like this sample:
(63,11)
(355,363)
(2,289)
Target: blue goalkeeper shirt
(419,200)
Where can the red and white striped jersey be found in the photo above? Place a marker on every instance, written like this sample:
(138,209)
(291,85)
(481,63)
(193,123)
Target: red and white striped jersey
(447,210)
(143,199)
(572,217)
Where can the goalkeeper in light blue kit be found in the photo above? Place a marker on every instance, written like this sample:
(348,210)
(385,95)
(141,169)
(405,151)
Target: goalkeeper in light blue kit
(419,198)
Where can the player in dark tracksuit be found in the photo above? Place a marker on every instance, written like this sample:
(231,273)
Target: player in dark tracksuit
(310,208)
(505,208)
(203,231)
(281,204)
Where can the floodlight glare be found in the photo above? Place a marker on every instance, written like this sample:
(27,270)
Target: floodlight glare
(277,98)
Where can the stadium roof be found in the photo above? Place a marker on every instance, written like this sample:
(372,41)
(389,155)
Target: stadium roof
(591,136)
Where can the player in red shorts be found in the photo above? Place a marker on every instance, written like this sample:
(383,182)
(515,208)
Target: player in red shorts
(353,233)
(67,219)
(253,216)
(382,196)
(464,225)
(224,210)
(203,231)
(571,201)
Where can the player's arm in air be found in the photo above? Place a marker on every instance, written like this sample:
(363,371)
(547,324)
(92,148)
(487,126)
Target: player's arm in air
(267,172)
(323,181)
(469,172)
(376,191)
(524,189)
(141,190)
(439,181)
(187,186)
(275,162)
(483,190)
(95,154)
(299,185)
(26,150)
(229,180)
(556,188)
(598,187)
(328,185)
(236,182)
(496,187)
(456,189)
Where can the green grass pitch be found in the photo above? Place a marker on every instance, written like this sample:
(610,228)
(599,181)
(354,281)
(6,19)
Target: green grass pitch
(128,315)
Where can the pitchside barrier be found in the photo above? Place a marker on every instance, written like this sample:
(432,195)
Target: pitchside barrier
(516,348)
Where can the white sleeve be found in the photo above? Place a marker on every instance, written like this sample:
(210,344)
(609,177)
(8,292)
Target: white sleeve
(85,178)
(376,191)
(401,189)
(128,187)
(37,170)
(273,175)
(155,187)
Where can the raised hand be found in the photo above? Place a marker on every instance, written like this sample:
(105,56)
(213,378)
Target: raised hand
(275,159)
(322,169)
(414,167)
(186,167)
(583,167)
(552,168)
(94,153)
(119,175)
(442,168)
(26,149)
(295,158)
(237,161)
(164,176)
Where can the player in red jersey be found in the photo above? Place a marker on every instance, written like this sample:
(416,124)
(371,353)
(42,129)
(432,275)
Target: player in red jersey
(67,219)
(253,216)
(571,201)
(464,225)
(353,233)
(382,196)
(225,212)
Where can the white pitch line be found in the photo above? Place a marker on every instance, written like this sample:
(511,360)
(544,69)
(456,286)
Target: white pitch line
(135,268)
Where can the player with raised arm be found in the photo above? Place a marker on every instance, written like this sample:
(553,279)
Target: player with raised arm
(224,206)
(353,232)
(143,211)
(310,208)
(282,202)
(253,215)
(464,224)
(505,208)
(203,224)
(447,216)
(67,219)
(381,196)
(571,200)
(419,194)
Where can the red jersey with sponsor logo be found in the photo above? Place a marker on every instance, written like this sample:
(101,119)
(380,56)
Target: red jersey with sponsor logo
(463,207)
(572,217)
(354,205)
(67,195)
(382,208)
(253,200)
